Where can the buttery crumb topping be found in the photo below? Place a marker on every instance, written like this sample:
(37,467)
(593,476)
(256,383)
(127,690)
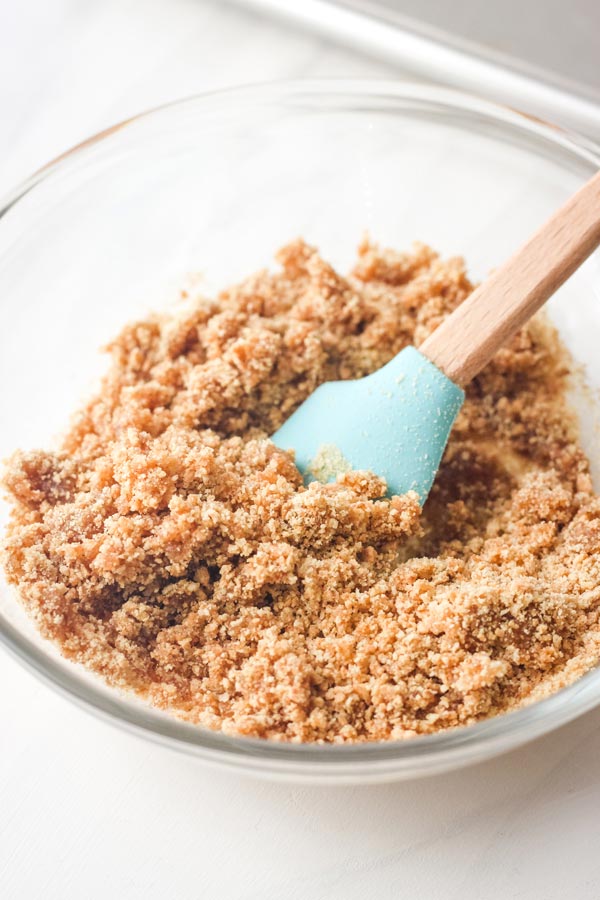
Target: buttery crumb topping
(168,545)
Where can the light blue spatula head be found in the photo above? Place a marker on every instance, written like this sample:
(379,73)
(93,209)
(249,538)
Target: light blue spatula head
(395,422)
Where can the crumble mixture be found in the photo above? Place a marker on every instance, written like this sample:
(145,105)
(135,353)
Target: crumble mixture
(169,546)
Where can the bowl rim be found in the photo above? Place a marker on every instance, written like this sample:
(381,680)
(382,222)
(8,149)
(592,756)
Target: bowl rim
(416,756)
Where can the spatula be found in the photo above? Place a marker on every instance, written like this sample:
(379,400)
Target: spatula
(396,422)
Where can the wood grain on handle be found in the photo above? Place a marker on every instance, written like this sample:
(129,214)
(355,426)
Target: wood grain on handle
(491,315)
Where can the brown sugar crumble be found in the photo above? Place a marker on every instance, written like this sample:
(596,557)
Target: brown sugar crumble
(171,547)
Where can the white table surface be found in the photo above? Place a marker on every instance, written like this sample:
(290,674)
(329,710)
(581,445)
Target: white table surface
(89,812)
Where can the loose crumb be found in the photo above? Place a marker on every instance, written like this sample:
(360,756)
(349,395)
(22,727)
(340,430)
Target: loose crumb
(328,463)
(171,547)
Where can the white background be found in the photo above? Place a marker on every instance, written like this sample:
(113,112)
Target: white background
(88,812)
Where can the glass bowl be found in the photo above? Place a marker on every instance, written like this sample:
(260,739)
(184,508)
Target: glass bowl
(213,186)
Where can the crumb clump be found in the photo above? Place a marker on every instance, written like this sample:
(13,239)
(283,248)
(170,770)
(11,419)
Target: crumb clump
(328,463)
(171,547)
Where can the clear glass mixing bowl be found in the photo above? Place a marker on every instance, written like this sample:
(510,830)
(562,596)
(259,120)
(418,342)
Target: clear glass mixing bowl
(213,186)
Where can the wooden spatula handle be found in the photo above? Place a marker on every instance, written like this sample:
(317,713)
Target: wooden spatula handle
(487,320)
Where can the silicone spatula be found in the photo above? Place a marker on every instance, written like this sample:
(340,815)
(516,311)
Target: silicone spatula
(396,422)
